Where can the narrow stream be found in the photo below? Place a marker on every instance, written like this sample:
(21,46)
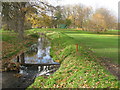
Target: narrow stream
(37,62)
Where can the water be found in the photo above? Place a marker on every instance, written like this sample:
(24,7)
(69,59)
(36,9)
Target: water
(38,54)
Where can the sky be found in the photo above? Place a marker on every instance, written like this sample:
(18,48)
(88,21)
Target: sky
(109,4)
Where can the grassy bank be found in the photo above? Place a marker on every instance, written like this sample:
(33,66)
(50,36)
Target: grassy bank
(12,45)
(78,70)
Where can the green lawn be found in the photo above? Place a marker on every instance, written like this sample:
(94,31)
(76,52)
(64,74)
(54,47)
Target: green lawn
(104,45)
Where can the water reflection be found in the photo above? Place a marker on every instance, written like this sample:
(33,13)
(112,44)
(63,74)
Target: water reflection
(40,53)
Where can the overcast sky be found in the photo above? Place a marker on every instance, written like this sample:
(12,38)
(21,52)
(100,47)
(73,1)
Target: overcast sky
(109,4)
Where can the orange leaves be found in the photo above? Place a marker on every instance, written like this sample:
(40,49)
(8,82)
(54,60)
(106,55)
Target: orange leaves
(57,60)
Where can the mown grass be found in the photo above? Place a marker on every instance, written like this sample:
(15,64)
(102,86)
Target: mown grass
(77,70)
(104,45)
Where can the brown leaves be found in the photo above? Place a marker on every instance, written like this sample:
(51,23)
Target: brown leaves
(18,75)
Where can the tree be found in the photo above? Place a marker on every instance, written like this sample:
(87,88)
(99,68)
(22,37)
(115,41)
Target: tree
(99,22)
(109,19)
(57,19)
(103,20)
(78,14)
(14,14)
(68,22)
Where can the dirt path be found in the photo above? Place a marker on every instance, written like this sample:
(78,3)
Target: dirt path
(111,67)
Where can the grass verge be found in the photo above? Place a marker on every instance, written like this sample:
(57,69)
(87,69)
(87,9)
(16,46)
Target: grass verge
(78,70)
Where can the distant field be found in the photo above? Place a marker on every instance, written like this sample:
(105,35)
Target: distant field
(105,45)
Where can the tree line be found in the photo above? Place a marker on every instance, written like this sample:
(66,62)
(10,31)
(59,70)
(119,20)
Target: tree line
(20,16)
(85,18)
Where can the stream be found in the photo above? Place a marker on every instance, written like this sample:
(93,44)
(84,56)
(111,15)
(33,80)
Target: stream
(37,62)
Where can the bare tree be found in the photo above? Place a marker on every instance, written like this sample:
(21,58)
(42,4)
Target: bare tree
(78,14)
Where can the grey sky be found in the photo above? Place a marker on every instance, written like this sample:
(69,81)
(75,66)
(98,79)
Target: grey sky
(109,4)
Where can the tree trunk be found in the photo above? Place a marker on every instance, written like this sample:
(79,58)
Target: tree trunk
(81,25)
(22,58)
(20,29)
(18,59)
(21,20)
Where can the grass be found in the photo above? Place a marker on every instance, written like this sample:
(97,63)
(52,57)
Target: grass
(78,70)
(11,44)
(103,45)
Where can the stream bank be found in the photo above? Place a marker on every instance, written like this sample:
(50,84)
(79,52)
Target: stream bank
(77,70)
(32,63)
